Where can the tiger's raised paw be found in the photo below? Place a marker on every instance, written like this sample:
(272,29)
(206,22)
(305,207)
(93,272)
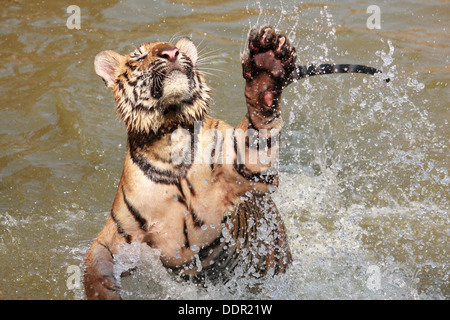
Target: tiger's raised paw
(267,66)
(269,53)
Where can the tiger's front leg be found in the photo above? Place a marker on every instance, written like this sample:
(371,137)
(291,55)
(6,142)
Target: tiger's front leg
(267,65)
(99,280)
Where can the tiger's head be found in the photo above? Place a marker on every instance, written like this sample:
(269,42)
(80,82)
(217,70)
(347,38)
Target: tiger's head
(156,86)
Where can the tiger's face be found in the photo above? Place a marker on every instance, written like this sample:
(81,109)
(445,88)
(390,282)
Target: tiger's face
(156,86)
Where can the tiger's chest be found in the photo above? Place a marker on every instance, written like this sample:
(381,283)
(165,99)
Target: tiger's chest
(180,208)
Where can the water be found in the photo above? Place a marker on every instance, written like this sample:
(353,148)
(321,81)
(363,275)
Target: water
(364,171)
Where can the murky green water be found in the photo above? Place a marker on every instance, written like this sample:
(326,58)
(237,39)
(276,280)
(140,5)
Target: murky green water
(364,165)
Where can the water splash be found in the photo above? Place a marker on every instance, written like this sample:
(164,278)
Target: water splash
(362,186)
(332,253)
(388,59)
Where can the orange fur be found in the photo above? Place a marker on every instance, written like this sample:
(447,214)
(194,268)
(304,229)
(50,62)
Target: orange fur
(183,208)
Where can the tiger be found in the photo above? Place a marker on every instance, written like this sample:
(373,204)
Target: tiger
(192,186)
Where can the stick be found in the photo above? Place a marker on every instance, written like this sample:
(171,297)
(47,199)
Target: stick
(301,72)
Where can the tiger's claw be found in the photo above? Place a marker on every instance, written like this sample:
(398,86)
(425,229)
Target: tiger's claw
(267,66)
(270,53)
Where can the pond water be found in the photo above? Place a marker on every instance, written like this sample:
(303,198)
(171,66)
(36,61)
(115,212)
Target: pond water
(364,163)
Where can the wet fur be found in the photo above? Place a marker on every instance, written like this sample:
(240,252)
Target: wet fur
(205,217)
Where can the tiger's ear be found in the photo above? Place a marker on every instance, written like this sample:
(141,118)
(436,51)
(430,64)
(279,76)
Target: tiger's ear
(106,64)
(186,46)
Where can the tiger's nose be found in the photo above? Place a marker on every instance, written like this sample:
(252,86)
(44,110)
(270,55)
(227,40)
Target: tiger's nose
(169,54)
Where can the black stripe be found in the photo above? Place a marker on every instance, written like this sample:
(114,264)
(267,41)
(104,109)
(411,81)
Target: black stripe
(235,146)
(123,91)
(125,75)
(206,251)
(130,66)
(224,219)
(136,143)
(197,222)
(277,254)
(140,107)
(135,95)
(178,185)
(191,188)
(107,248)
(135,213)
(180,199)
(246,230)
(256,176)
(153,173)
(224,261)
(121,88)
(185,230)
(120,229)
